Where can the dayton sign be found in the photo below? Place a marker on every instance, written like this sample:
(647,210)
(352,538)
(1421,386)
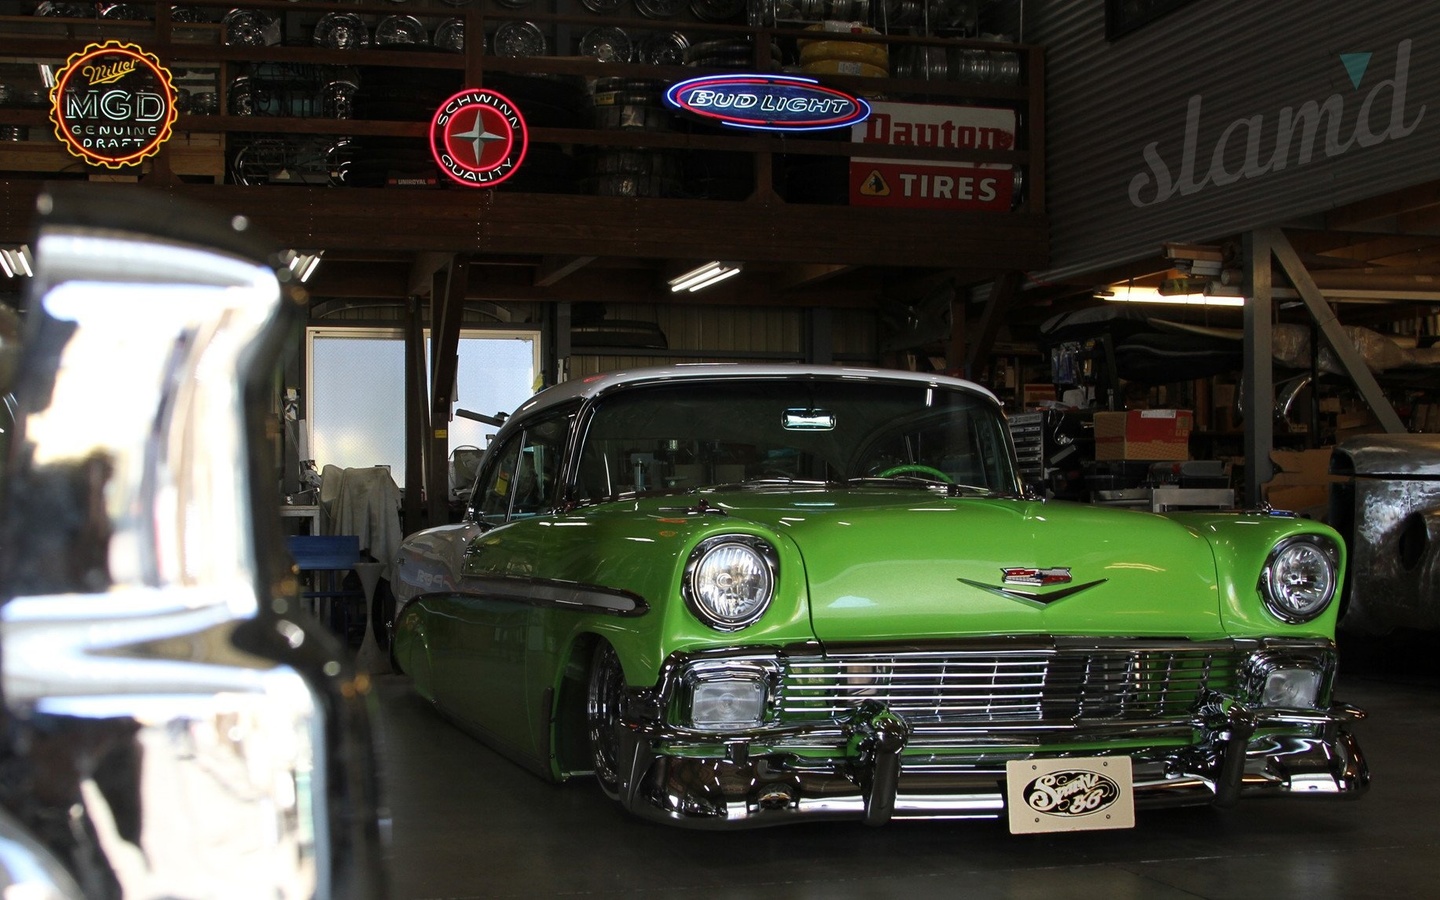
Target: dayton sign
(113,104)
(1296,134)
(934,184)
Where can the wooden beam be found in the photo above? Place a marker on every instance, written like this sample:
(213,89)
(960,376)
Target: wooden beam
(359,219)
(417,419)
(1374,246)
(1002,297)
(553,269)
(1335,335)
(806,275)
(1373,210)
(447,311)
(422,271)
(1375,278)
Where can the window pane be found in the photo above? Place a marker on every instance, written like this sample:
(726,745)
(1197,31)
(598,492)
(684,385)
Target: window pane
(357,393)
(496,375)
(357,397)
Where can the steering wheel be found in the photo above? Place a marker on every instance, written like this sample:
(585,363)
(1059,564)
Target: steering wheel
(916,469)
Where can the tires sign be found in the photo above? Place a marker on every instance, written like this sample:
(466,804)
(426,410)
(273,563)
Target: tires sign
(767,102)
(929,183)
(1069,794)
(478,138)
(113,104)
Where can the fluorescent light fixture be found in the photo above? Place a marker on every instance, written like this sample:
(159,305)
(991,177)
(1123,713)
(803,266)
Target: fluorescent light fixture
(16,262)
(1124,293)
(701,277)
(302,264)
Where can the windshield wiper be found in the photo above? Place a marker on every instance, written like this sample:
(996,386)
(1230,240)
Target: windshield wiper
(893,480)
(771,480)
(931,484)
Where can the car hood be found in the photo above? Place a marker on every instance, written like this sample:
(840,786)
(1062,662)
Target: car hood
(911,565)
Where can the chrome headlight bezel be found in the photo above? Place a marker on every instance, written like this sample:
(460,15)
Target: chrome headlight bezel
(754,682)
(1278,589)
(699,587)
(1276,671)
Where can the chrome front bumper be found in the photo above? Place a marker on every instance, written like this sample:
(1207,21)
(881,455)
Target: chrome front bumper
(870,778)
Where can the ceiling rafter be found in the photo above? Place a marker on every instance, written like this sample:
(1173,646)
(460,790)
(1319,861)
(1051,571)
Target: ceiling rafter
(553,269)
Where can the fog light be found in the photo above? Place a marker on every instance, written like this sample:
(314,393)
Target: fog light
(1291,689)
(727,702)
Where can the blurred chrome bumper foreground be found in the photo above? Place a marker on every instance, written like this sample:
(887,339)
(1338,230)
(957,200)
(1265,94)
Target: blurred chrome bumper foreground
(174,724)
(1242,753)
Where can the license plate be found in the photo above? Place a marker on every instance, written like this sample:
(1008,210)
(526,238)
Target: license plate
(1072,794)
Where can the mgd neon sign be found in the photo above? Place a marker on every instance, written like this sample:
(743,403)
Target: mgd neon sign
(767,102)
(113,104)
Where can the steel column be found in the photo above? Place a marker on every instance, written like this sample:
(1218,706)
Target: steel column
(819,336)
(417,416)
(447,308)
(1259,379)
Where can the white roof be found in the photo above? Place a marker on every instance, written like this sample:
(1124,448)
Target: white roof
(593,385)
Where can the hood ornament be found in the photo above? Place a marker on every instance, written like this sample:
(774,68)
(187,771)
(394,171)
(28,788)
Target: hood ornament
(1040,577)
(1034,577)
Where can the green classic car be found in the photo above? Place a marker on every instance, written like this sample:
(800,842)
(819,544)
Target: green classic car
(749,595)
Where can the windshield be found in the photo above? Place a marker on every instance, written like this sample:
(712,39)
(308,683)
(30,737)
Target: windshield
(695,434)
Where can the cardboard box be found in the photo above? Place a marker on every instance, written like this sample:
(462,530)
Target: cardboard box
(1301,483)
(1141,434)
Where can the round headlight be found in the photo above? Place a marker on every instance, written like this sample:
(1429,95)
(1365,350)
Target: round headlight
(729,581)
(1299,579)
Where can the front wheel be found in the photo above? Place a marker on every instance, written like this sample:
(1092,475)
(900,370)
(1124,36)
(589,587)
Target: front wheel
(602,713)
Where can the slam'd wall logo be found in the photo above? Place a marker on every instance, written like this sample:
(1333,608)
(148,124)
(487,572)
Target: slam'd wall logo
(113,104)
(478,137)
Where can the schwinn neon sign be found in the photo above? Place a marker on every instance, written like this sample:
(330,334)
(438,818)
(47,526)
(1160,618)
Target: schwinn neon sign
(767,102)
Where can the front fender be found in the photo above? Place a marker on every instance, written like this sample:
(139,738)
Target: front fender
(1241,544)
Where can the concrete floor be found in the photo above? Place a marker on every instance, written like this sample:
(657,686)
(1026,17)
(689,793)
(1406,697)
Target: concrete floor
(462,822)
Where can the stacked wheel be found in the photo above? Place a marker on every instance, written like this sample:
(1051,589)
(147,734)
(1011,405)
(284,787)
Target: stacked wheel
(632,104)
(869,59)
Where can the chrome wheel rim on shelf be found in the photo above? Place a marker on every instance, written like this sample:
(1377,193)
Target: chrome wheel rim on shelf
(341,31)
(188,15)
(658,9)
(717,10)
(450,35)
(394,30)
(337,100)
(607,45)
(248,28)
(664,48)
(517,39)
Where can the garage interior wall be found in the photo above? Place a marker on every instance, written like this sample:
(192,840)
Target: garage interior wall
(1221,74)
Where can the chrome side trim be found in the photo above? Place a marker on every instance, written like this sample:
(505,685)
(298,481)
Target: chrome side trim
(554,594)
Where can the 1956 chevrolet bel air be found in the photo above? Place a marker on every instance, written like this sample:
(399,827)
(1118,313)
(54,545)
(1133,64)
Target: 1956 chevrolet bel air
(749,595)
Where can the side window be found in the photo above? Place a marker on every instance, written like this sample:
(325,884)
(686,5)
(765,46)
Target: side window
(524,478)
(494,499)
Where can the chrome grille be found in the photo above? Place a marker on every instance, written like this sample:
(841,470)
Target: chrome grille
(1030,685)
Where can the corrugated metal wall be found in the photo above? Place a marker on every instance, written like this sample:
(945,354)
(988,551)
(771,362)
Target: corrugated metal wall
(1244,60)
(728,333)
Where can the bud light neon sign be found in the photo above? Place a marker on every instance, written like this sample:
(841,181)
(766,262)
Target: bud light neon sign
(767,102)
